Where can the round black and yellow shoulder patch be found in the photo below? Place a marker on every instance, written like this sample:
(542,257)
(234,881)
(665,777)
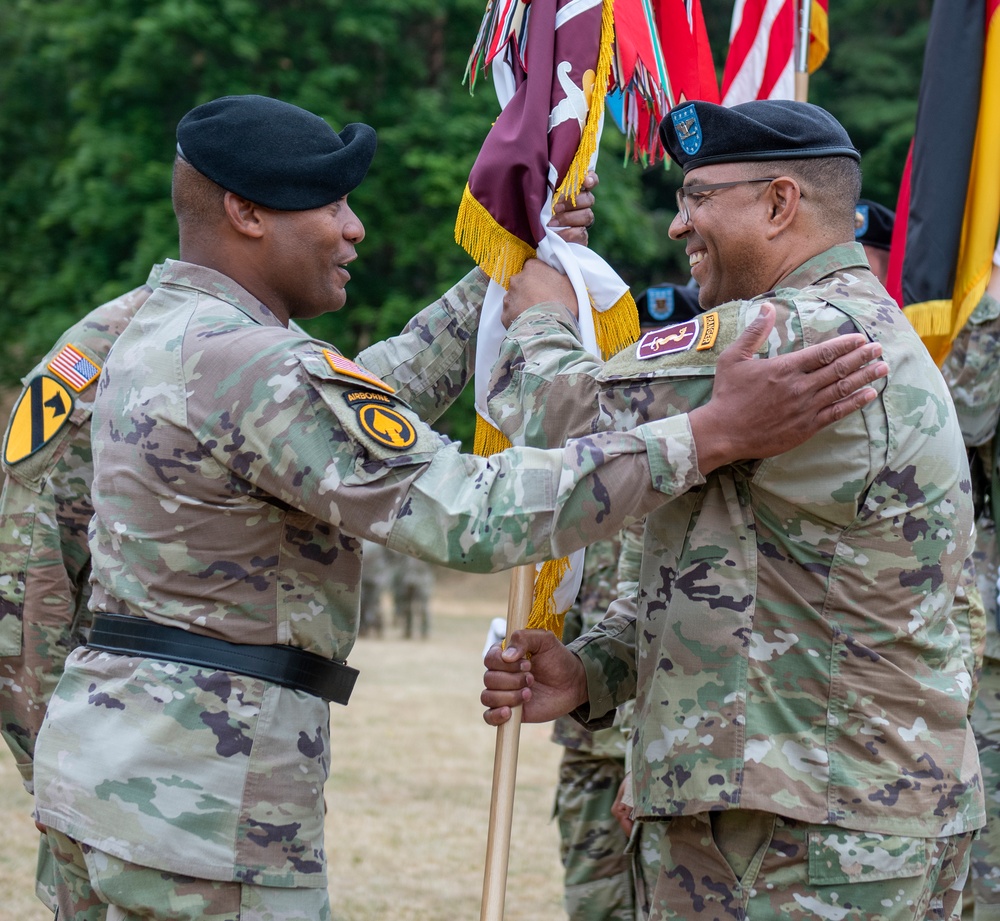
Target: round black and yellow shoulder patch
(380,420)
(44,408)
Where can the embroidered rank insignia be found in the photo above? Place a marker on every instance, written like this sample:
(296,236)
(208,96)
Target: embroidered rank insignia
(344,366)
(687,128)
(75,368)
(380,420)
(44,408)
(709,330)
(677,338)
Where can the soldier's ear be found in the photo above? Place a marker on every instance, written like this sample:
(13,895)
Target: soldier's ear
(782,198)
(244,216)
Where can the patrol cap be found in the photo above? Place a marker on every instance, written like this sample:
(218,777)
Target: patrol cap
(699,133)
(659,305)
(873,224)
(274,153)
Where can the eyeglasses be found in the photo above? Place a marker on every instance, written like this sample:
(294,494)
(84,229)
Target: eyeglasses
(696,195)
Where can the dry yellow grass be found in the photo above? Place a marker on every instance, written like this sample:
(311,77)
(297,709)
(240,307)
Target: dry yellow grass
(409,793)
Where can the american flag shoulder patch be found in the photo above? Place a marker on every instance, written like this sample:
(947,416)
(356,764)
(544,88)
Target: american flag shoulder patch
(73,367)
(345,366)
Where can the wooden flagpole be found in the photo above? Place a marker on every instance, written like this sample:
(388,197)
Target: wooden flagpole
(522,585)
(802,50)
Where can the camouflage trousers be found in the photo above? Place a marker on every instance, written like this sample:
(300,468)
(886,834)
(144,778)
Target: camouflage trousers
(985,882)
(597,872)
(96,886)
(741,864)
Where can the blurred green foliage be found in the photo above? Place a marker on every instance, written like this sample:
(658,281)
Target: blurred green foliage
(92,91)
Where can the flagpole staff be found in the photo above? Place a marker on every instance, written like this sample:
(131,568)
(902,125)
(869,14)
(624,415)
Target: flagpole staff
(802,51)
(519,600)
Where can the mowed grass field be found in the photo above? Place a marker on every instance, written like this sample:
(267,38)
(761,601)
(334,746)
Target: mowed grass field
(409,792)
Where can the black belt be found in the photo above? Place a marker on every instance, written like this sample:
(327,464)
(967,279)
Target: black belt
(284,665)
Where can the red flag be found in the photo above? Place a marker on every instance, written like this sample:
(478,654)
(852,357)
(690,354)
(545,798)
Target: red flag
(688,55)
(949,202)
(761,61)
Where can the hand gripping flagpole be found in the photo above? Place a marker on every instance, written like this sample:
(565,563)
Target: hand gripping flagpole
(540,148)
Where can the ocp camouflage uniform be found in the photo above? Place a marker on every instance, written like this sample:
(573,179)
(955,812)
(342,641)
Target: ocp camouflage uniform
(597,874)
(972,371)
(799,680)
(237,465)
(44,559)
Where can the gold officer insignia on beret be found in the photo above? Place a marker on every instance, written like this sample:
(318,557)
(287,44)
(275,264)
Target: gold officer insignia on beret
(73,367)
(42,411)
(345,366)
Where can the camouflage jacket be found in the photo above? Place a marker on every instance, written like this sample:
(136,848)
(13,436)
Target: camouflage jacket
(237,466)
(972,371)
(44,512)
(790,646)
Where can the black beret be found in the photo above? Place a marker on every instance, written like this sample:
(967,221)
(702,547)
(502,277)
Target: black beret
(274,153)
(666,303)
(873,224)
(699,133)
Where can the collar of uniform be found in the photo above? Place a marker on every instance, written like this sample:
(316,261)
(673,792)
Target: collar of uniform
(835,259)
(200,278)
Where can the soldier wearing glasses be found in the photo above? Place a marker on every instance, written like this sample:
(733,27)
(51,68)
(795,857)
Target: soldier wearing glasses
(802,688)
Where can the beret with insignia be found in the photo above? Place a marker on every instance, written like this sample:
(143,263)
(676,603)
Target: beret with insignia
(873,224)
(699,133)
(667,303)
(274,153)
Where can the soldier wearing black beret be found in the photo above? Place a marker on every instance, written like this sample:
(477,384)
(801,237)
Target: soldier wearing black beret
(873,224)
(801,712)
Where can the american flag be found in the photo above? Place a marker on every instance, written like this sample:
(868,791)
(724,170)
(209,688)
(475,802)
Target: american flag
(761,61)
(74,367)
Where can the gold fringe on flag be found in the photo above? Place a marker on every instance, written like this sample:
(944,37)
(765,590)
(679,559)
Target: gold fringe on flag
(495,249)
(617,327)
(573,180)
(488,439)
(544,615)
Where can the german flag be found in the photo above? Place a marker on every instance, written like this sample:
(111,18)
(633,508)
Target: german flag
(949,201)
(819,33)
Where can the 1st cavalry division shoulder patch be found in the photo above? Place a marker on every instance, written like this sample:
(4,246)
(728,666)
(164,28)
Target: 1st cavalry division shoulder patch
(44,408)
(380,420)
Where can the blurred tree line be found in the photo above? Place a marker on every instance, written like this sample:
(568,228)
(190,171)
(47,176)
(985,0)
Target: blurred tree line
(92,90)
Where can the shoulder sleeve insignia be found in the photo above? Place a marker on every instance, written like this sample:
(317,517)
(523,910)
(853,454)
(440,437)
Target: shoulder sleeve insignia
(73,367)
(699,333)
(381,421)
(43,409)
(344,366)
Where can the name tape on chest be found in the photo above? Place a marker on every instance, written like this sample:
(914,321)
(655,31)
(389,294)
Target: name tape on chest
(698,333)
(41,412)
(347,367)
(380,420)
(75,368)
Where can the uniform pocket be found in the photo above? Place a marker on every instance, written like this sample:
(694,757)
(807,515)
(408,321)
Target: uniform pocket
(839,856)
